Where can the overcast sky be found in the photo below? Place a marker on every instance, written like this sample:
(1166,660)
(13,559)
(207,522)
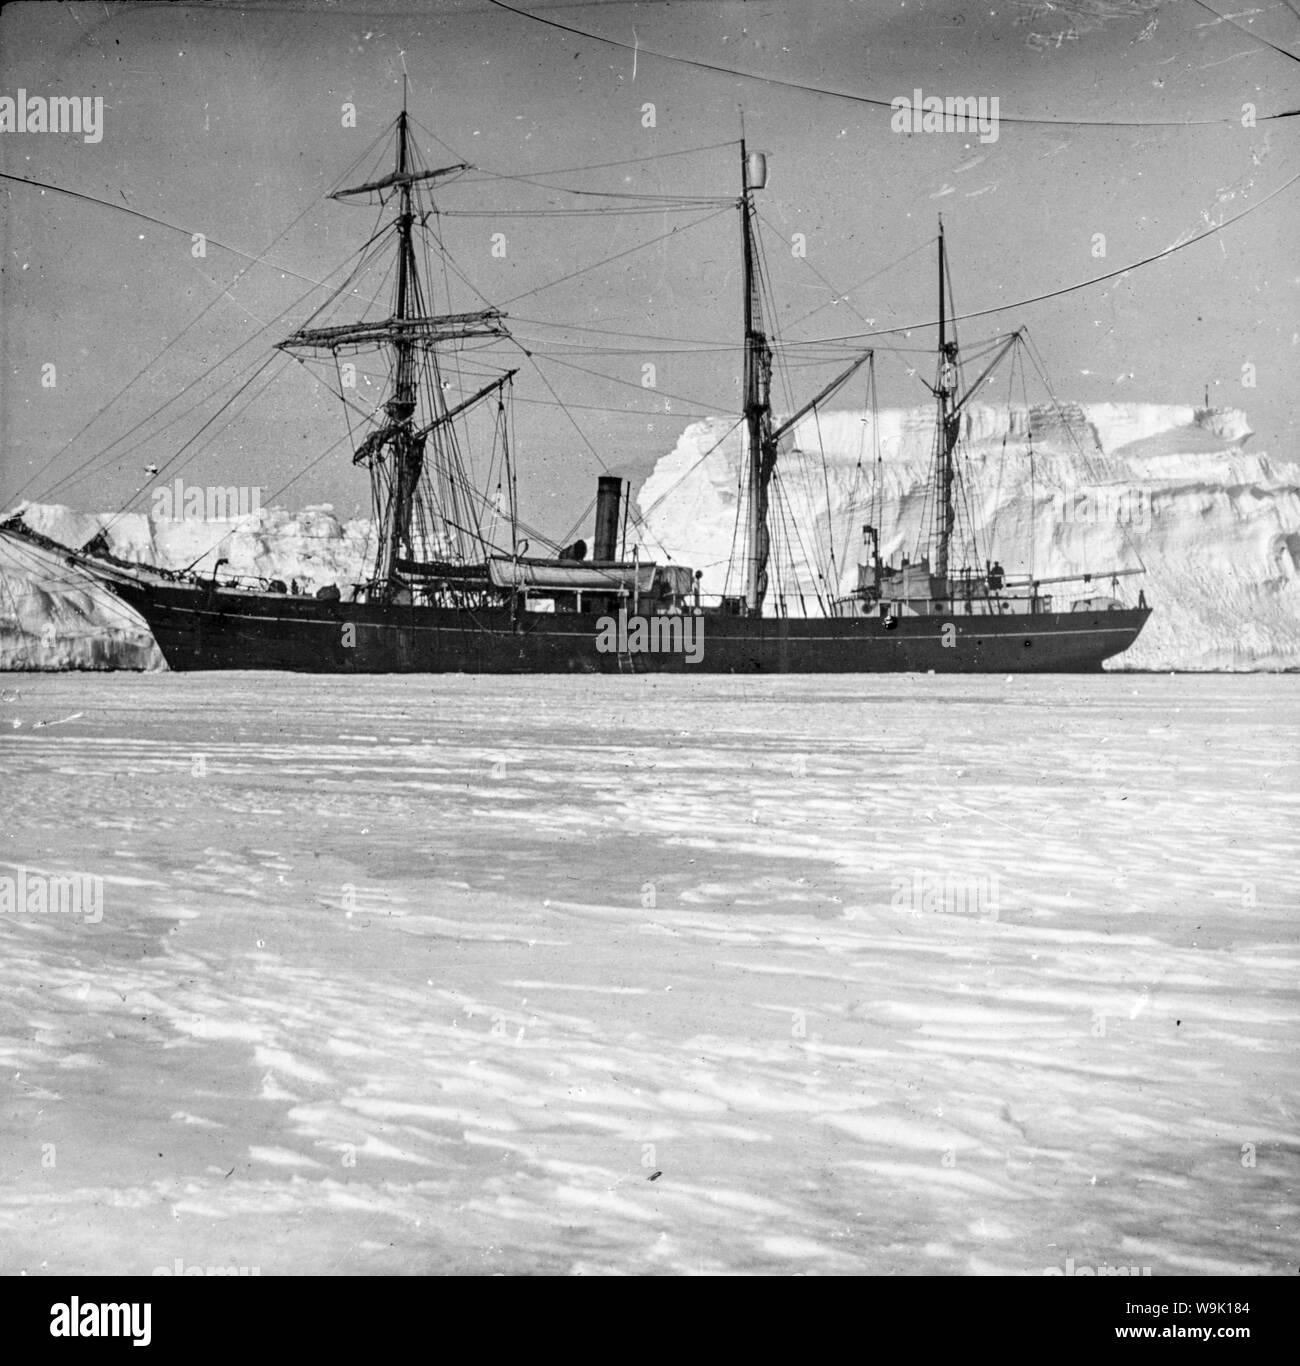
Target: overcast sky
(227,122)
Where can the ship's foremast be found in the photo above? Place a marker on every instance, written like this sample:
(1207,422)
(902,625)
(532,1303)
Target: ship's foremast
(398,443)
(407,448)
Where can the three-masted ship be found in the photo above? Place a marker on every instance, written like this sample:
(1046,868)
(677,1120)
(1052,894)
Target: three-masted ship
(453,587)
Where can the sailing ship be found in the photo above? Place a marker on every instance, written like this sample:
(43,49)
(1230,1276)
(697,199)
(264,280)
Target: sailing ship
(449,590)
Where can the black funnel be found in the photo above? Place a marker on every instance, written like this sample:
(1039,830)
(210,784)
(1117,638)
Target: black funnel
(609,502)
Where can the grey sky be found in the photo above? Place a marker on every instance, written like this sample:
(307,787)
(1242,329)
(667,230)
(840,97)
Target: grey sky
(227,122)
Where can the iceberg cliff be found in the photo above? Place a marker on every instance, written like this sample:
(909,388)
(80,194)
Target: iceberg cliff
(56,617)
(1109,486)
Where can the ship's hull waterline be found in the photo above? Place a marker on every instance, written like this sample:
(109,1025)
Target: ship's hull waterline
(223,629)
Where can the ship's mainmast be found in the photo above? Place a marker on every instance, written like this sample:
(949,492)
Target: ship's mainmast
(764,437)
(758,391)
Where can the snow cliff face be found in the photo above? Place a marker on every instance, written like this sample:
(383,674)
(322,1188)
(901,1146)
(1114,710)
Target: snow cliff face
(56,617)
(1109,486)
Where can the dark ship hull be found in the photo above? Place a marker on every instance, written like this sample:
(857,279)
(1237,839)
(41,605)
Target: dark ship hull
(198,628)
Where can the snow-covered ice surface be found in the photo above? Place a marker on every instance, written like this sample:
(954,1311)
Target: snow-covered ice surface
(436,974)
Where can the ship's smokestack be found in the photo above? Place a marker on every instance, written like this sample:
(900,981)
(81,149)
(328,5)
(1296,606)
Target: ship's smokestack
(609,500)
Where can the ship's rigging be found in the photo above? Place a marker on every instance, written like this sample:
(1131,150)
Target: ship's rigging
(417,502)
(451,584)
(427,505)
(436,512)
(763,437)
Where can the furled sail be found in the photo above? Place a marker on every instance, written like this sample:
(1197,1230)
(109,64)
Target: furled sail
(443,327)
(397,179)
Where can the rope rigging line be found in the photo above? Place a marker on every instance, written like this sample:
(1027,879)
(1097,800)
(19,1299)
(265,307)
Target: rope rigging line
(1081,284)
(833,576)
(168,346)
(1250,33)
(253,260)
(692,468)
(261,258)
(274,494)
(992,528)
(618,256)
(1031,350)
(599,165)
(479,176)
(603,212)
(270,378)
(696,404)
(618,332)
(70,480)
(771,227)
(875,275)
(739,531)
(82,470)
(777,545)
(638,519)
(869,100)
(789,521)
(52,572)
(75,476)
